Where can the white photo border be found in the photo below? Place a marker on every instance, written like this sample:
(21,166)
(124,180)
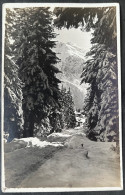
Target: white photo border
(79,5)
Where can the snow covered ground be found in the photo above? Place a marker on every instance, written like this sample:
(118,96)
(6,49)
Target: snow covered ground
(66,159)
(34,141)
(59,135)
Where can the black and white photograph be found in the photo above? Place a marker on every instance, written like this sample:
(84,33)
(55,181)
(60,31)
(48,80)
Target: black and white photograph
(61,97)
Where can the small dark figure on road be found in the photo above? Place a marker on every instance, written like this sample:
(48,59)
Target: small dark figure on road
(82,145)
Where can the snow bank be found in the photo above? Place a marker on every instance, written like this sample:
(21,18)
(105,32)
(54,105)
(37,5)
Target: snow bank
(33,141)
(58,135)
(75,131)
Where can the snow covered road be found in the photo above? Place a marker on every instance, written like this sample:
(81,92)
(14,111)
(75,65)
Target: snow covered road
(80,163)
(87,165)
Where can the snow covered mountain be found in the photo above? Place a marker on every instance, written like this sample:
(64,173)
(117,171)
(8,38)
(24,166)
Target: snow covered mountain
(71,65)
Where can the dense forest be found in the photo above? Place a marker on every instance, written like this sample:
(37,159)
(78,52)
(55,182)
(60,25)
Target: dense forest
(34,103)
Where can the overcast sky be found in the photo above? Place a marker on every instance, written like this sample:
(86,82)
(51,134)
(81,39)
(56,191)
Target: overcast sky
(75,36)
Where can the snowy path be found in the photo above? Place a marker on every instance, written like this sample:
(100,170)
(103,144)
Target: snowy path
(70,167)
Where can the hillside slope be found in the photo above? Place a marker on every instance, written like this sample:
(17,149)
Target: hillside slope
(71,65)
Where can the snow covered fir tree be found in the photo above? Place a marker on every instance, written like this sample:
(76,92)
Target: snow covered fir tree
(68,119)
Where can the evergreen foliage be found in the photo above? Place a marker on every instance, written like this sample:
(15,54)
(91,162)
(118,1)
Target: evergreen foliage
(102,99)
(37,70)
(13,114)
(31,87)
(32,31)
(100,71)
(67,118)
(70,114)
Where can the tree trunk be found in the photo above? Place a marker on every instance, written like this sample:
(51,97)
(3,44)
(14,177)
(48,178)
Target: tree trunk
(28,125)
(31,124)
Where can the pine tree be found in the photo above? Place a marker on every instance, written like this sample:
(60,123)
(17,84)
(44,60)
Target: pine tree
(32,33)
(37,68)
(101,73)
(70,113)
(13,114)
(63,106)
(67,112)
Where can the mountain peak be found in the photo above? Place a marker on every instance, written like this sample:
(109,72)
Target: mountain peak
(71,66)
